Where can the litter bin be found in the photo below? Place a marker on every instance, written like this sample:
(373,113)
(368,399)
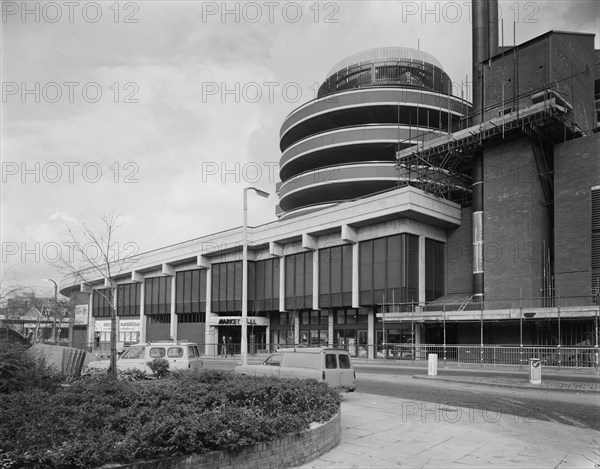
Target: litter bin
(535,371)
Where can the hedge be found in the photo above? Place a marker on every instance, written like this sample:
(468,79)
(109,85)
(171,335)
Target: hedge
(96,421)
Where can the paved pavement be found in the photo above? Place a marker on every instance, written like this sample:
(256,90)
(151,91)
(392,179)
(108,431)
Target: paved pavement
(384,432)
(559,379)
(546,384)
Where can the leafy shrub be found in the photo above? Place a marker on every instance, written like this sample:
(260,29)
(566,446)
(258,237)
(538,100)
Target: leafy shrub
(159,366)
(132,375)
(19,370)
(94,374)
(93,422)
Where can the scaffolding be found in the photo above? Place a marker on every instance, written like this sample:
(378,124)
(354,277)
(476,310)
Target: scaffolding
(442,166)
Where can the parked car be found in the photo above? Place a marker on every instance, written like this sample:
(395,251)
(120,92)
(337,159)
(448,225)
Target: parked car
(332,366)
(180,355)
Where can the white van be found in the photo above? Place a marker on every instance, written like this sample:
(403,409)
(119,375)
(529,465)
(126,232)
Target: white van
(330,365)
(180,355)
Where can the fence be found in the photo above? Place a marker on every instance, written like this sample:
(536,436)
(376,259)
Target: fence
(493,354)
(568,356)
(458,354)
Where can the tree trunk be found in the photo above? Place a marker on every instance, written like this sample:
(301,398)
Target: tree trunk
(112,370)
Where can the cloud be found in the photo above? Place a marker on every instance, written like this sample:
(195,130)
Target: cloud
(62,216)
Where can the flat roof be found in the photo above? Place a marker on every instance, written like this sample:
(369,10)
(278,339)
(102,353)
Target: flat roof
(509,49)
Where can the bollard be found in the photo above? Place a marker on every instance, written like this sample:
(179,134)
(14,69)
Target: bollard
(432,365)
(535,371)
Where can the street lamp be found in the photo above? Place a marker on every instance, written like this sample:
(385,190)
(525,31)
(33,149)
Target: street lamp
(55,304)
(244,340)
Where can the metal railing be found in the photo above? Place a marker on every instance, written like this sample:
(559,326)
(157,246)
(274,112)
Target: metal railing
(483,355)
(493,354)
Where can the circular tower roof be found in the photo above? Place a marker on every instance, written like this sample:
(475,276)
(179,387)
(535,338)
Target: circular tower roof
(384,54)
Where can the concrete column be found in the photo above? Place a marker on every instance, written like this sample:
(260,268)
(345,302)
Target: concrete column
(91,321)
(173,331)
(355,278)
(419,354)
(371,334)
(211,333)
(315,285)
(142,312)
(422,296)
(350,235)
(268,338)
(282,284)
(139,278)
(330,335)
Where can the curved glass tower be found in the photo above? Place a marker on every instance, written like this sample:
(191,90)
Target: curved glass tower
(342,145)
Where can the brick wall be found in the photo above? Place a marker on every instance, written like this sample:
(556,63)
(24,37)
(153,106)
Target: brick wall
(516,222)
(288,451)
(576,170)
(562,61)
(459,256)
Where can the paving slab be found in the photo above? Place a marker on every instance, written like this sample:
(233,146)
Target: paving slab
(385,432)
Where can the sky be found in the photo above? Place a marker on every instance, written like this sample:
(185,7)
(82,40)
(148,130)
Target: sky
(163,111)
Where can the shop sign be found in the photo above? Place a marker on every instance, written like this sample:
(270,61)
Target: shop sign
(129,326)
(81,314)
(102,326)
(235,322)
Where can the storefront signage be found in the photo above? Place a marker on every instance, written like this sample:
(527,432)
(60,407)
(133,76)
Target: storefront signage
(129,326)
(102,326)
(216,321)
(81,314)
(235,322)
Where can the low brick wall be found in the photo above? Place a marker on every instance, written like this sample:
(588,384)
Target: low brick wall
(288,451)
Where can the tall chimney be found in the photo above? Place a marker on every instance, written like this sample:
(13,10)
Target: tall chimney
(485,45)
(493,22)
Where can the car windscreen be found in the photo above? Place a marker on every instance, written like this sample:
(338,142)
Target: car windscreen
(133,352)
(273,360)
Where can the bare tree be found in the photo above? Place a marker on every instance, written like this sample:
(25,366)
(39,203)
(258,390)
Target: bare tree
(10,286)
(55,310)
(101,257)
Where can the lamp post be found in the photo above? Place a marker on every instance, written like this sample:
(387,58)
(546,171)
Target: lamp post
(244,341)
(55,304)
